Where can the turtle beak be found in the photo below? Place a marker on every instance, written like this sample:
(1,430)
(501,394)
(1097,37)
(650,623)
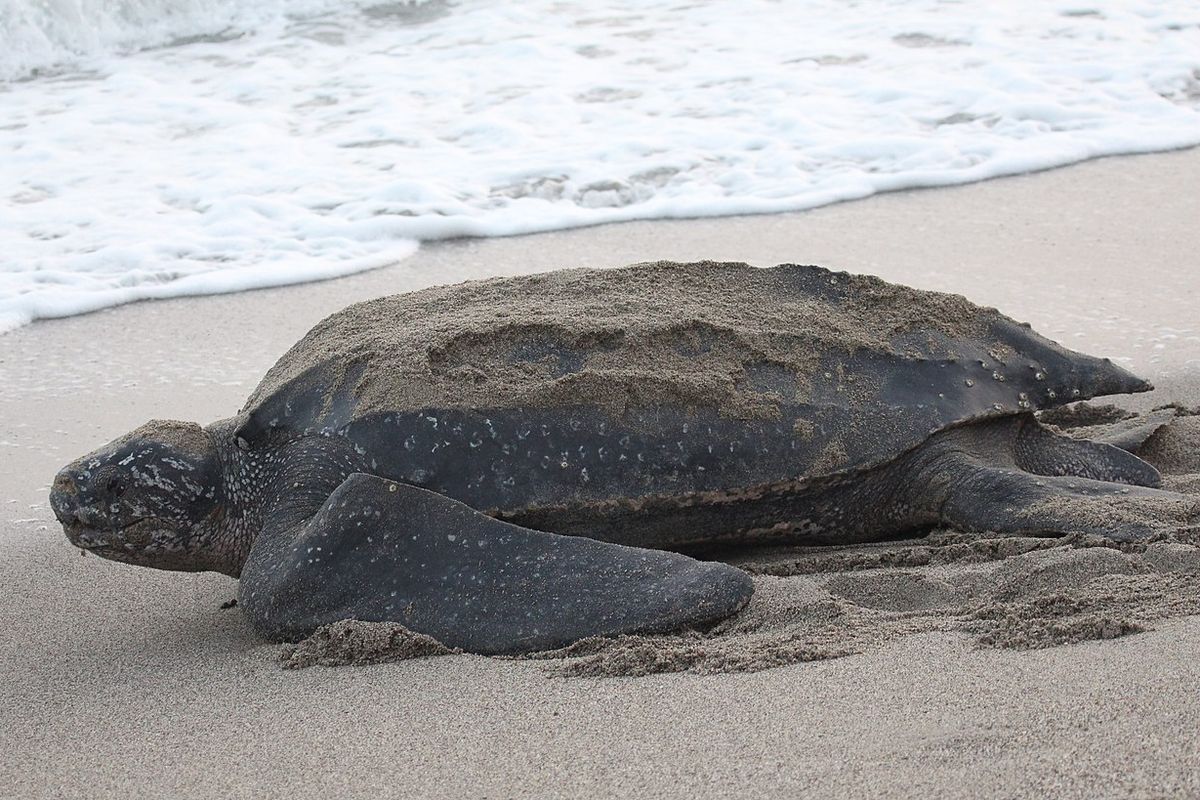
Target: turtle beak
(67,504)
(68,507)
(64,498)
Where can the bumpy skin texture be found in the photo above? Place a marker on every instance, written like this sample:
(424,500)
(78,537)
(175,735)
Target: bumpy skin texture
(416,458)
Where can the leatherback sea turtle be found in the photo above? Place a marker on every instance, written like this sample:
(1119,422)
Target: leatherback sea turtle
(511,464)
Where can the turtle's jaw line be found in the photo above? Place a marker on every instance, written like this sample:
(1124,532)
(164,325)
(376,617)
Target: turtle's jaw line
(111,540)
(88,538)
(88,541)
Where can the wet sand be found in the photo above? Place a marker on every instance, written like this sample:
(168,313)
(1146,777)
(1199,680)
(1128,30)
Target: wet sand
(127,682)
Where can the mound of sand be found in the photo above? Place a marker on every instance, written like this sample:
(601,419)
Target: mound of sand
(354,642)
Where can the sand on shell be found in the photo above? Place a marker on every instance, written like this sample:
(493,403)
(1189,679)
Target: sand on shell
(663,332)
(125,682)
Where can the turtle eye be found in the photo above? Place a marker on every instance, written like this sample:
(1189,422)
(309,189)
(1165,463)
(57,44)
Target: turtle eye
(108,481)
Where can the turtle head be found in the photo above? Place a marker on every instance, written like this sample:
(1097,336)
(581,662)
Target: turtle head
(153,497)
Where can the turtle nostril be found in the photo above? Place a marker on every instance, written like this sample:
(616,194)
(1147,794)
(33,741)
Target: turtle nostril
(64,484)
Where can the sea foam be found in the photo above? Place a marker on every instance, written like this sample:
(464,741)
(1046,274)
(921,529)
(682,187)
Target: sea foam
(157,148)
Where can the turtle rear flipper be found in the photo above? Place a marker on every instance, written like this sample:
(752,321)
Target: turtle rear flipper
(1032,482)
(1043,452)
(1010,501)
(378,550)
(1131,434)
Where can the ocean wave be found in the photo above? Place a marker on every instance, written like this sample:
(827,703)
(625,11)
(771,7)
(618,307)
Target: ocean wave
(328,141)
(41,36)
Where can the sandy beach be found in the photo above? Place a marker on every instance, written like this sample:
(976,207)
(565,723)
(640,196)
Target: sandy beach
(127,682)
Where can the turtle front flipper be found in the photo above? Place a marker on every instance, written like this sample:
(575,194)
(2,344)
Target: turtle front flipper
(378,550)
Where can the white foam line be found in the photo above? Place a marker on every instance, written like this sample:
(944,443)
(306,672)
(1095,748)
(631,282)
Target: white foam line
(15,312)
(325,138)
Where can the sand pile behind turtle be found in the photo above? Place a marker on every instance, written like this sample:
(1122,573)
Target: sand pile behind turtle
(820,603)
(1175,450)
(1066,593)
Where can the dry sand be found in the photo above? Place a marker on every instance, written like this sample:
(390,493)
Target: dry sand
(125,682)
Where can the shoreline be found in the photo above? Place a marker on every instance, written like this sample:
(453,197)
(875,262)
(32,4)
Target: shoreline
(170,291)
(129,682)
(93,302)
